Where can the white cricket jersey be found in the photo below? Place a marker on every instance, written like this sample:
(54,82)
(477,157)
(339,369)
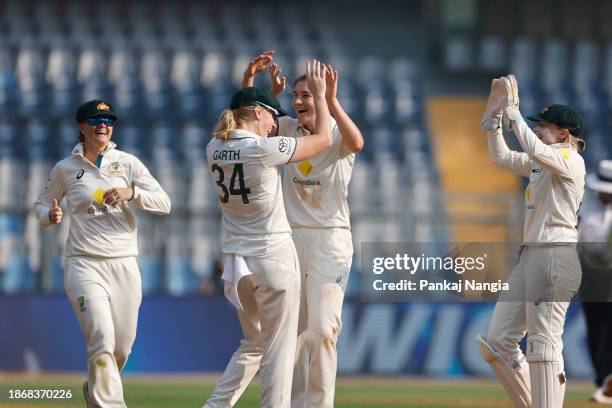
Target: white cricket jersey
(316,190)
(97,229)
(556,183)
(245,170)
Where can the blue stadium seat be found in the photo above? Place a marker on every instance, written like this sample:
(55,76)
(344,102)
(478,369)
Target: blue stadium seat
(127,134)
(214,70)
(204,245)
(150,256)
(123,78)
(9,138)
(377,104)
(61,77)
(37,133)
(555,68)
(12,187)
(406,104)
(586,64)
(194,138)
(66,137)
(8,86)
(91,76)
(492,54)
(180,279)
(30,81)
(458,53)
(523,57)
(155,83)
(402,69)
(17,276)
(184,77)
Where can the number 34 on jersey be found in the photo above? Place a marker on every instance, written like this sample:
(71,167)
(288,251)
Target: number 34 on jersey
(237,177)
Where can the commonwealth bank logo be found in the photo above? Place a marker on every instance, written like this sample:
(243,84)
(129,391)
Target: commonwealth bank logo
(305,168)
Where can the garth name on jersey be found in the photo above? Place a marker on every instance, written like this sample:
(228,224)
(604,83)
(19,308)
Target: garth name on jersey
(226,155)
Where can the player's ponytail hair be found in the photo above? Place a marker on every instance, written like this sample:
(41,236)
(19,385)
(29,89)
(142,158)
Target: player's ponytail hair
(226,125)
(230,120)
(576,142)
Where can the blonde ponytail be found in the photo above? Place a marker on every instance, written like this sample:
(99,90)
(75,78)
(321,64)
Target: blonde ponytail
(226,125)
(230,120)
(576,143)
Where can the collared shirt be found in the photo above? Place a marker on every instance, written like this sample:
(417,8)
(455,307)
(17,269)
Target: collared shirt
(316,189)
(97,229)
(556,184)
(246,174)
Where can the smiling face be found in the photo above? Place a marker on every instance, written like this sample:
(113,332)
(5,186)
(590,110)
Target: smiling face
(96,136)
(266,122)
(303,104)
(549,133)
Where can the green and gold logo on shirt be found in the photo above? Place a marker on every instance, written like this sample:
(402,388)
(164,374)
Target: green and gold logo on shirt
(115,168)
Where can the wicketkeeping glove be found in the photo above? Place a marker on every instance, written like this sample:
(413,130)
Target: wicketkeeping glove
(512,101)
(492,117)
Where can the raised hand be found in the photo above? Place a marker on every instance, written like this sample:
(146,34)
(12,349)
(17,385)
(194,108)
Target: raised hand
(491,119)
(512,100)
(331,83)
(256,65)
(55,213)
(115,196)
(315,77)
(278,80)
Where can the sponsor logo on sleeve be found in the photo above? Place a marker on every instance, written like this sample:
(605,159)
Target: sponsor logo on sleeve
(283,145)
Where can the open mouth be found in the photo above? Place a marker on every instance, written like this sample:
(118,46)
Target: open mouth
(301,111)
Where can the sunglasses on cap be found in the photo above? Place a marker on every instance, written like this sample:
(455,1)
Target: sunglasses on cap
(270,109)
(99,121)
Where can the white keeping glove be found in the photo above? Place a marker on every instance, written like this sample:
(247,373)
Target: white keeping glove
(511,109)
(492,117)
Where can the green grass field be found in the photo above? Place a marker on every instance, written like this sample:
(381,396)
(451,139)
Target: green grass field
(362,392)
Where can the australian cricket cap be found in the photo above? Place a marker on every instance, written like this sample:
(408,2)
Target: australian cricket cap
(564,116)
(255,96)
(95,109)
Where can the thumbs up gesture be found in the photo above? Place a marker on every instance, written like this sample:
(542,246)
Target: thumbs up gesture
(55,213)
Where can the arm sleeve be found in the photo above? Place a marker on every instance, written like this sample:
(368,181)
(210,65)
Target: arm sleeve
(55,188)
(499,152)
(278,150)
(285,126)
(338,140)
(148,193)
(554,160)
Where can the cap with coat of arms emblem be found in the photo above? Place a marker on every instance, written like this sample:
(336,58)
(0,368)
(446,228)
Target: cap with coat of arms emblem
(95,109)
(564,116)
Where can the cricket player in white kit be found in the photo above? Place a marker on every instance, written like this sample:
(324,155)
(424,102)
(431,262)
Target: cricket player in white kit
(259,256)
(315,192)
(101,276)
(547,274)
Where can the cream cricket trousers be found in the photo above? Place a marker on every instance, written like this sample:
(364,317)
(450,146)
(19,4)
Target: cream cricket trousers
(325,256)
(542,285)
(105,295)
(270,298)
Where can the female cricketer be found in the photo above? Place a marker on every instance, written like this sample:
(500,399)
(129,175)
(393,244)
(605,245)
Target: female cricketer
(547,274)
(259,255)
(315,192)
(101,276)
